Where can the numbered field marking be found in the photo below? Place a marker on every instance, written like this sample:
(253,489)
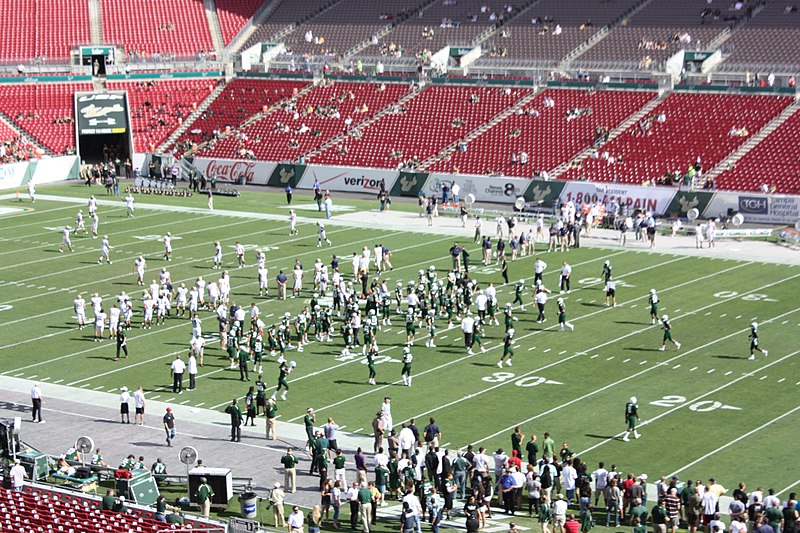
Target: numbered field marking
(754,297)
(6,307)
(703,406)
(598,281)
(154,237)
(528,381)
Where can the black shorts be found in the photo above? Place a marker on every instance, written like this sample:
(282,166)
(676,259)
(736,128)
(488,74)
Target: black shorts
(123,408)
(261,400)
(140,410)
(611,292)
(332,445)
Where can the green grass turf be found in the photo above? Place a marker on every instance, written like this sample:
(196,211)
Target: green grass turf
(720,408)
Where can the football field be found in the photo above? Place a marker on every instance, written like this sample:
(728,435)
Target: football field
(706,409)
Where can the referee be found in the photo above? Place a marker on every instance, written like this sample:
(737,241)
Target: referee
(37,398)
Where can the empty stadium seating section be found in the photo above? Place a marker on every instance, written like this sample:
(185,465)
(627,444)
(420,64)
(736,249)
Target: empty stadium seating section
(45,111)
(775,160)
(549,138)
(156,26)
(695,125)
(40,511)
(158,107)
(56,26)
(268,138)
(234,14)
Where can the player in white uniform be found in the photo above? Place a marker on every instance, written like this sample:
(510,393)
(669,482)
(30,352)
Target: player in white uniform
(321,235)
(200,283)
(95,224)
(213,294)
(79,304)
(162,304)
(105,250)
(99,325)
(180,301)
(262,281)
(80,223)
(224,284)
(139,265)
(217,255)
(611,293)
(125,310)
(198,345)
(113,321)
(378,257)
(154,288)
(65,240)
(297,280)
(92,205)
(323,280)
(293,223)
(239,251)
(165,277)
(261,258)
(193,300)
(32,192)
(147,304)
(129,201)
(168,247)
(97,304)
(566,274)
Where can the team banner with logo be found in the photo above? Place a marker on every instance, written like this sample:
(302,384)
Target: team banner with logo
(684,201)
(235,171)
(543,193)
(101,113)
(759,208)
(348,179)
(654,200)
(409,184)
(286,174)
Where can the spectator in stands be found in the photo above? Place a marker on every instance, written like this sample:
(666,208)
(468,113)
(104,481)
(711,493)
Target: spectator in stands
(18,475)
(176,517)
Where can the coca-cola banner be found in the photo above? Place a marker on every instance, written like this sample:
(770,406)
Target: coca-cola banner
(350,179)
(236,171)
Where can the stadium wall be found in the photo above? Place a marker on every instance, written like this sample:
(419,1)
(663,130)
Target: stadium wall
(661,201)
(39,171)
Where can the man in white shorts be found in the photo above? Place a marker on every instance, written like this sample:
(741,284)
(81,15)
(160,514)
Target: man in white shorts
(95,224)
(113,321)
(263,272)
(105,250)
(65,240)
(80,223)
(322,236)
(129,201)
(168,247)
(99,325)
(139,265)
(79,304)
(217,255)
(239,250)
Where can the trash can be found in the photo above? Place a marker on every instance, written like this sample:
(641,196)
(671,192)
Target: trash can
(248,501)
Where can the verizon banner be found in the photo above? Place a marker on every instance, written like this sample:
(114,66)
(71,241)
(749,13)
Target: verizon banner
(236,171)
(655,200)
(349,179)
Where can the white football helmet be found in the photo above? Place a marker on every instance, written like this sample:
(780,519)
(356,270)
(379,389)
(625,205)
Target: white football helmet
(664,318)
(633,399)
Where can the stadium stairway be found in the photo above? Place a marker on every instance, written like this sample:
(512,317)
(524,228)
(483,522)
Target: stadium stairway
(595,39)
(385,30)
(23,134)
(362,125)
(752,142)
(292,27)
(214,26)
(248,29)
(95,24)
(727,33)
(490,32)
(622,128)
(483,128)
(187,123)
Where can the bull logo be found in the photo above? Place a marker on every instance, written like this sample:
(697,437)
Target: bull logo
(407,184)
(539,195)
(687,205)
(286,176)
(92,111)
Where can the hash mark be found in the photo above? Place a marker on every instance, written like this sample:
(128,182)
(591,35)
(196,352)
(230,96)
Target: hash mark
(676,367)
(729,372)
(692,369)
(711,371)
(763,378)
(643,362)
(547,350)
(610,358)
(595,355)
(626,360)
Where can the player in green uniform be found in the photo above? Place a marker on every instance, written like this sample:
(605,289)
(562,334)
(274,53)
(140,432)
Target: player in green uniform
(754,347)
(411,327)
(430,322)
(371,363)
(284,370)
(232,347)
(606,271)
(518,294)
(386,310)
(508,348)
(562,316)
(261,395)
(244,356)
(477,335)
(665,323)
(347,337)
(509,318)
(631,418)
(492,310)
(405,373)
(653,300)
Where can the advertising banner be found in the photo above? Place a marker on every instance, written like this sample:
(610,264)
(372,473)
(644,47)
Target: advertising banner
(56,169)
(495,189)
(236,171)
(409,184)
(759,208)
(649,199)
(348,179)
